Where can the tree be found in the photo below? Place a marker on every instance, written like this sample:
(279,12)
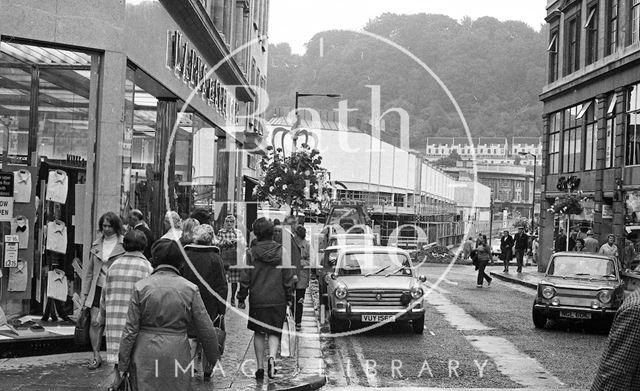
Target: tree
(291,180)
(449,161)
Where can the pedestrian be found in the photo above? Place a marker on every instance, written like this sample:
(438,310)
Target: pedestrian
(172,226)
(506,246)
(202,215)
(188,226)
(579,247)
(135,219)
(620,363)
(289,243)
(610,248)
(466,248)
(228,238)
(573,236)
(104,251)
(270,290)
(122,275)
(591,244)
(154,340)
(535,250)
(560,243)
(205,263)
(520,244)
(483,252)
(479,238)
(302,274)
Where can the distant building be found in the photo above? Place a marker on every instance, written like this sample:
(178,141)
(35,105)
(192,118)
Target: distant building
(488,150)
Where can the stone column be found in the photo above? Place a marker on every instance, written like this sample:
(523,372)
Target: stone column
(228,21)
(618,199)
(238,37)
(218,15)
(546,221)
(162,182)
(601,111)
(222,178)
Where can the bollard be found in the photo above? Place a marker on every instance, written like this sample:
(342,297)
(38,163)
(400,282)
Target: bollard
(322,314)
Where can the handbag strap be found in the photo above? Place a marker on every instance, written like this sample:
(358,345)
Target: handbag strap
(219,320)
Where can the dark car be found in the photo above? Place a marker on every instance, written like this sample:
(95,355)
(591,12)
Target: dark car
(579,286)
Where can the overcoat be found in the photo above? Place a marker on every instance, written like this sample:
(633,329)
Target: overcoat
(91,270)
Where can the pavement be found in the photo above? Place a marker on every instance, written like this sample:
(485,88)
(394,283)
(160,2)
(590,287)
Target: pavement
(235,370)
(529,277)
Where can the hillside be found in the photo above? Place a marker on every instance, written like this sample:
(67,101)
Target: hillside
(494,70)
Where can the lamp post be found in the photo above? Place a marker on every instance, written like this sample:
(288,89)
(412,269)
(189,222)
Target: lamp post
(297,123)
(533,198)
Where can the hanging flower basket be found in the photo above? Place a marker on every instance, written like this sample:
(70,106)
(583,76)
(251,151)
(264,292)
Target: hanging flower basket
(567,205)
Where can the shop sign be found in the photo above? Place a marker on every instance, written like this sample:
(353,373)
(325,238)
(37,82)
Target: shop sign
(188,66)
(11,243)
(607,211)
(6,196)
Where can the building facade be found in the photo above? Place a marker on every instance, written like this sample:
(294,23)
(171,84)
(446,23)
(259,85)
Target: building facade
(488,150)
(591,108)
(115,105)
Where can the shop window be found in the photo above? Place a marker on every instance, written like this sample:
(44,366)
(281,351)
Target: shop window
(572,140)
(555,123)
(612,26)
(633,126)
(591,28)
(610,146)
(591,137)
(15,98)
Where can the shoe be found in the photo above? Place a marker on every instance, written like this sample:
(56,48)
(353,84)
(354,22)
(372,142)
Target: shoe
(489,283)
(233,302)
(260,374)
(298,326)
(94,364)
(54,319)
(519,270)
(271,368)
(478,286)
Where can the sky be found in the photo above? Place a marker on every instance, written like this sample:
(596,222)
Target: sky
(297,21)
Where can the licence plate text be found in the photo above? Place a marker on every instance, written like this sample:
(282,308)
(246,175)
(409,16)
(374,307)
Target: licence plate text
(575,315)
(378,318)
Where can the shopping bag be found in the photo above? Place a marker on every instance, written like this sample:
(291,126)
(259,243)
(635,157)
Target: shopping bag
(288,339)
(81,332)
(220,333)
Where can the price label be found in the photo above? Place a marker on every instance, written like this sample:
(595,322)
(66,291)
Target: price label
(11,255)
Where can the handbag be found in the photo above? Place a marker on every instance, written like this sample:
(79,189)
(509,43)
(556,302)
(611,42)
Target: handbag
(220,333)
(81,332)
(121,383)
(288,339)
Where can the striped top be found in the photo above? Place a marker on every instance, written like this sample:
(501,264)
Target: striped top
(116,295)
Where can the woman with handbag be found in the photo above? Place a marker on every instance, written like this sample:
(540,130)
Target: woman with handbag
(154,340)
(205,262)
(270,290)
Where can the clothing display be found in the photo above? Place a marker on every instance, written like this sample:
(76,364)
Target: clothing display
(22,186)
(20,227)
(18,277)
(57,186)
(57,236)
(57,287)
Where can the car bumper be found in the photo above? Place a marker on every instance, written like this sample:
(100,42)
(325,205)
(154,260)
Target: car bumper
(355,313)
(553,311)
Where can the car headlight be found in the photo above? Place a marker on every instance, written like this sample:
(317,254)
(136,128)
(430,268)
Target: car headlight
(548,292)
(605,296)
(416,292)
(341,292)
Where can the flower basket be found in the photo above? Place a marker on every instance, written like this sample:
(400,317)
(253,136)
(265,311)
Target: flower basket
(569,205)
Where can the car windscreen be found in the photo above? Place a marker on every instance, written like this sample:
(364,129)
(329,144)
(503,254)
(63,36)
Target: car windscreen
(374,263)
(346,217)
(578,267)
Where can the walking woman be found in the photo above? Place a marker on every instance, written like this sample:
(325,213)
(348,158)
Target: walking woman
(228,238)
(270,290)
(484,255)
(302,274)
(104,251)
(154,340)
(130,268)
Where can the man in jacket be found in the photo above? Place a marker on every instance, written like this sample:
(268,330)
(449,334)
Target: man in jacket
(521,244)
(590,243)
(506,244)
(136,221)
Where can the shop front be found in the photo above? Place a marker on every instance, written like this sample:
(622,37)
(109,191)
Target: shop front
(94,122)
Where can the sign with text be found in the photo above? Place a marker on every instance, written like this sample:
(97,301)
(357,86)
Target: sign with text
(6,196)
(11,254)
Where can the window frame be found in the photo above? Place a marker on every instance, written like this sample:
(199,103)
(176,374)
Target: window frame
(612,26)
(591,137)
(610,132)
(572,48)
(632,155)
(591,27)
(634,21)
(572,140)
(553,155)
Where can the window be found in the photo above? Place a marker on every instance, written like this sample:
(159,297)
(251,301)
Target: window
(612,26)
(572,140)
(591,137)
(554,142)
(553,56)
(633,127)
(611,133)
(573,45)
(591,28)
(635,20)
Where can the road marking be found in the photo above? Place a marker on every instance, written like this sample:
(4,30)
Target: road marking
(455,315)
(449,282)
(432,333)
(372,379)
(435,288)
(519,367)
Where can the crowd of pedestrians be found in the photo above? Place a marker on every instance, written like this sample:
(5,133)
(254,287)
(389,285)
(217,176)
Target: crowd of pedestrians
(159,302)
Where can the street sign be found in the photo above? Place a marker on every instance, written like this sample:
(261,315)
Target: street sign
(6,196)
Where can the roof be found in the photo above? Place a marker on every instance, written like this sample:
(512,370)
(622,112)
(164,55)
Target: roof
(526,140)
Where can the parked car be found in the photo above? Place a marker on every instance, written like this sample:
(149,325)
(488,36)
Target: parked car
(579,286)
(346,223)
(371,284)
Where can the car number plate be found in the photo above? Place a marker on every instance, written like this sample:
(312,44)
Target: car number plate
(575,315)
(378,318)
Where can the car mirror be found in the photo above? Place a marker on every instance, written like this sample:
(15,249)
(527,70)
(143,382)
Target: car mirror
(422,278)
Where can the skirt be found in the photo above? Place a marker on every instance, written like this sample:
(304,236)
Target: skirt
(272,316)
(233,275)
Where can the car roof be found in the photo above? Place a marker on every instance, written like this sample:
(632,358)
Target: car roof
(577,254)
(372,249)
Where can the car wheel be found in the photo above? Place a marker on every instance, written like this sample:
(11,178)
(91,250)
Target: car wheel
(539,320)
(418,325)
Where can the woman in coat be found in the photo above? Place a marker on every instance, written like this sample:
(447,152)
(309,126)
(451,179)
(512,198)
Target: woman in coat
(125,271)
(302,273)
(155,348)
(104,251)
(270,290)
(206,263)
(484,256)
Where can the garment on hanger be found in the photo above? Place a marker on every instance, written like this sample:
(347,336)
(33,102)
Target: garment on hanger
(57,287)
(18,277)
(57,186)
(57,237)
(20,227)
(22,186)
